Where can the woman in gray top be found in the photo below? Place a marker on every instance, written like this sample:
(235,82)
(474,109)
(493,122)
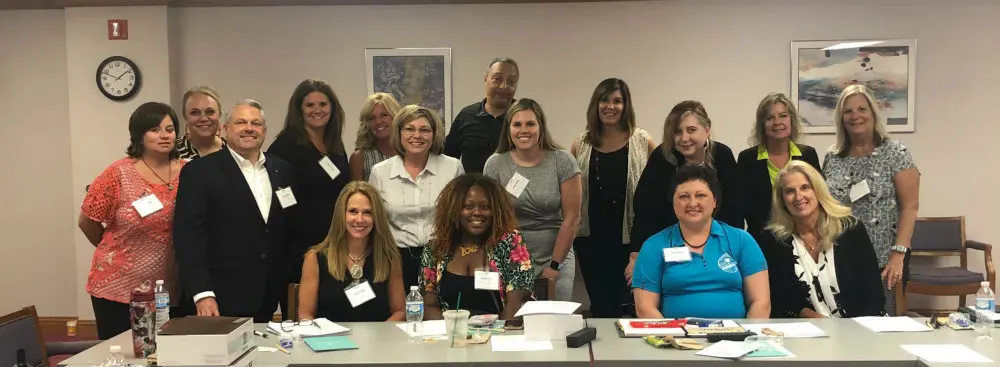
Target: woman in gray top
(373,144)
(877,178)
(546,188)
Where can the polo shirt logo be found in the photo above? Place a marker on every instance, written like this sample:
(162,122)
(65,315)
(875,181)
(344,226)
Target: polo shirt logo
(727,264)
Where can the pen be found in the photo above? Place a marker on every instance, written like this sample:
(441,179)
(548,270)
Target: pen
(282,349)
(260,334)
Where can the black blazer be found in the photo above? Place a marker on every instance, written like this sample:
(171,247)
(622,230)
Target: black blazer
(857,271)
(757,185)
(220,239)
(316,195)
(653,203)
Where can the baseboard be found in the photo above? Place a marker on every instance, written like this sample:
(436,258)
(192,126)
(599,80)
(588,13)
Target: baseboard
(56,326)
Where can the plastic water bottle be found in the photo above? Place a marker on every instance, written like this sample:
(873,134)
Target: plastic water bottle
(115,357)
(985,307)
(162,304)
(21,359)
(415,315)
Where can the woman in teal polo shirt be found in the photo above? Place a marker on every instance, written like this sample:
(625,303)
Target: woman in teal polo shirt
(700,267)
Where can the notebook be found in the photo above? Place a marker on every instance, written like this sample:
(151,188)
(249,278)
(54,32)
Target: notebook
(329,343)
(634,328)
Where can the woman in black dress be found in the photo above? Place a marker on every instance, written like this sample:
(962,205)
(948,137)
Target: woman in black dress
(358,251)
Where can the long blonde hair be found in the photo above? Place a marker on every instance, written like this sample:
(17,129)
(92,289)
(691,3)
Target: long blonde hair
(544,138)
(834,217)
(381,245)
(366,139)
(678,113)
(843,143)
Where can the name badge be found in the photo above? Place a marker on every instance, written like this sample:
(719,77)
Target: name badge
(859,190)
(329,167)
(487,280)
(286,197)
(676,254)
(147,205)
(359,293)
(517,184)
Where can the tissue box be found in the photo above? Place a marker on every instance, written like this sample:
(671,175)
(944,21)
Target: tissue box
(204,341)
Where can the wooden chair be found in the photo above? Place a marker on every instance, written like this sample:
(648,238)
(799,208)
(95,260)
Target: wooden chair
(942,237)
(545,289)
(293,302)
(21,330)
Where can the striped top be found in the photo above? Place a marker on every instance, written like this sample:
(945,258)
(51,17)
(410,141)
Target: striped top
(188,151)
(371,157)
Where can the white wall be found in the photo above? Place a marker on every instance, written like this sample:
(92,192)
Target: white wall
(726,53)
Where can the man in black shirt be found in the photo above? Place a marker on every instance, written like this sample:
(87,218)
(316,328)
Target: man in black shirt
(475,133)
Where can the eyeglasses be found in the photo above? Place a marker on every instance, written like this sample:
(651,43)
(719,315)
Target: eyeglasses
(410,131)
(289,325)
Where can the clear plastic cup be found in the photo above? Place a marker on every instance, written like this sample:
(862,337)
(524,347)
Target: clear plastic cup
(456,324)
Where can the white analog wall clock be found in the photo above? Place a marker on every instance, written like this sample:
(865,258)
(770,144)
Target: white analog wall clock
(118,78)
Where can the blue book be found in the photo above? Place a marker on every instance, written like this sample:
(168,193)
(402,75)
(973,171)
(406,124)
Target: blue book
(329,343)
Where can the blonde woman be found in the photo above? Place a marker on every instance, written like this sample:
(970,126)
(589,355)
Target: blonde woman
(358,251)
(373,144)
(877,177)
(411,181)
(773,144)
(201,123)
(821,257)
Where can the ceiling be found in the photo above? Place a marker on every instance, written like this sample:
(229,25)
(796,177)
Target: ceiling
(59,4)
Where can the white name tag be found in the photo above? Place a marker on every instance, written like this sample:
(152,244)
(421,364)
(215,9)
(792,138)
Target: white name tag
(359,293)
(286,197)
(676,254)
(859,190)
(147,205)
(517,184)
(487,280)
(329,167)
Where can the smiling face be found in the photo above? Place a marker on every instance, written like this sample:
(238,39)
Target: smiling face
(358,218)
(245,129)
(379,122)
(694,202)
(501,84)
(690,136)
(160,138)
(202,115)
(477,215)
(798,195)
(857,115)
(316,110)
(417,136)
(524,130)
(610,108)
(778,125)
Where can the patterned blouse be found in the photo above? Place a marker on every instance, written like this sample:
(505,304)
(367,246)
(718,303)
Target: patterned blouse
(188,151)
(879,210)
(133,249)
(510,250)
(371,157)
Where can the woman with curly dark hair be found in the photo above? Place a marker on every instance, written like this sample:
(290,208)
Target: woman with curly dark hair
(476,251)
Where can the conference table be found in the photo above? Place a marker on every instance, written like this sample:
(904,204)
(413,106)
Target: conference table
(383,344)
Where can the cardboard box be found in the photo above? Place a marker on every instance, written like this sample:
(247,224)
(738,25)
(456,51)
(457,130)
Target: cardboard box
(204,341)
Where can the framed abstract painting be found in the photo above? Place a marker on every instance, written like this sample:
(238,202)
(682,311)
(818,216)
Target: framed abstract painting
(822,69)
(420,76)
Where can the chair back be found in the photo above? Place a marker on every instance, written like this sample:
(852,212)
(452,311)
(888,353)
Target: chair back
(21,330)
(939,236)
(293,302)
(545,289)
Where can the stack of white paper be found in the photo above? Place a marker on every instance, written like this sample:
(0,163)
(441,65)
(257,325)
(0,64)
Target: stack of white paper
(945,353)
(891,324)
(550,320)
(319,327)
(790,330)
(517,343)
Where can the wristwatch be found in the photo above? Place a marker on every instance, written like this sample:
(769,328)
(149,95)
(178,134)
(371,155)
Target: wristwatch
(555,265)
(900,249)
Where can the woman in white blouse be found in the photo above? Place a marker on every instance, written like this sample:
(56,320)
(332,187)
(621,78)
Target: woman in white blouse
(411,181)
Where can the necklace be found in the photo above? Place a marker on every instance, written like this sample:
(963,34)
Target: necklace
(170,169)
(689,243)
(811,245)
(468,249)
(597,175)
(356,270)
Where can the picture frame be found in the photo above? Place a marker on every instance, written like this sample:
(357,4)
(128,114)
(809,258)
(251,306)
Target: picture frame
(820,70)
(419,76)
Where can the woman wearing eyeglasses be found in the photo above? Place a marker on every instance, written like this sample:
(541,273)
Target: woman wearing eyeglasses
(411,181)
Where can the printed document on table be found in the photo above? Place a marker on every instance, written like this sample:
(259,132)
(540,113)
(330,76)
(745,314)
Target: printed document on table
(518,343)
(790,330)
(431,328)
(891,324)
(945,353)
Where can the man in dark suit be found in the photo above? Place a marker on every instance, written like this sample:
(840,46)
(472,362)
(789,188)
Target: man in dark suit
(230,223)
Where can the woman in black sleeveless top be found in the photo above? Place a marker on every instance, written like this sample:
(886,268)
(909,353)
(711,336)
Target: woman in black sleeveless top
(358,253)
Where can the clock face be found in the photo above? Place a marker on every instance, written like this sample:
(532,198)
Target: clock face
(118,78)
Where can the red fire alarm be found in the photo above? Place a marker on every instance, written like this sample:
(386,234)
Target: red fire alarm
(117,29)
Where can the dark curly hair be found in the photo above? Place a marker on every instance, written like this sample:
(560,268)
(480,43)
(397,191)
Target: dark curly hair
(449,207)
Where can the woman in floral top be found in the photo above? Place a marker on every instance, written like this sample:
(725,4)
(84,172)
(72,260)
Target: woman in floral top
(474,228)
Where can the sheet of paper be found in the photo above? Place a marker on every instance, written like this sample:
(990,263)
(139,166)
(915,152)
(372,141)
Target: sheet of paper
(728,349)
(550,307)
(891,324)
(267,349)
(518,343)
(431,328)
(790,330)
(945,353)
(770,349)
(320,326)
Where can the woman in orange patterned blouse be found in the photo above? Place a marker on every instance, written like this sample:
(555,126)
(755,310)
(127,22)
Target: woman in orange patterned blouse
(128,215)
